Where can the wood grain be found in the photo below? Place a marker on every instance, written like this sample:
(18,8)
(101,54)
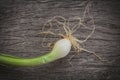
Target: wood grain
(21,21)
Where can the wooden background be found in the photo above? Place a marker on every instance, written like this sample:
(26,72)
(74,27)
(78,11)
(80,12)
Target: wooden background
(21,21)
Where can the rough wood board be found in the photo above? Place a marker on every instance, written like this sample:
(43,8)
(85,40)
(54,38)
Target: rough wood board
(20,21)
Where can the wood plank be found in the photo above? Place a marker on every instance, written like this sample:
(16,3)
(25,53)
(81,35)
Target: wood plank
(21,22)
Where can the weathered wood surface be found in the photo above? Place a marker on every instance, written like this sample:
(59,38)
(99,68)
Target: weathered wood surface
(20,23)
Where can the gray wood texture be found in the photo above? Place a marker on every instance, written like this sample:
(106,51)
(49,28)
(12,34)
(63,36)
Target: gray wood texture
(21,21)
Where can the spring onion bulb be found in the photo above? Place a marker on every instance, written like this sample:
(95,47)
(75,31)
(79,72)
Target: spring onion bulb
(61,49)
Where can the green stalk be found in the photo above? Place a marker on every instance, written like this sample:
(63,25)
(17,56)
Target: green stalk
(17,61)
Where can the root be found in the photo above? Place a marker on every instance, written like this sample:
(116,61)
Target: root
(92,53)
(66,32)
